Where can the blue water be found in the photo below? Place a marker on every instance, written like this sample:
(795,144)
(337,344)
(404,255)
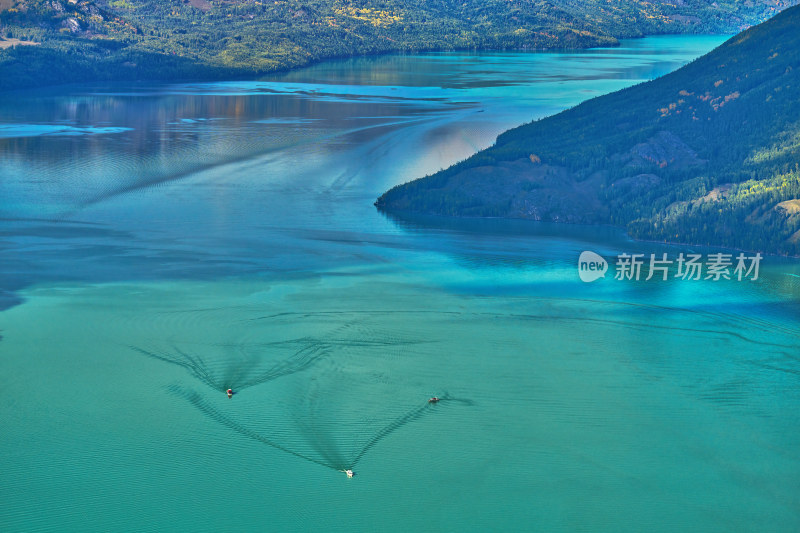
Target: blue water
(161,243)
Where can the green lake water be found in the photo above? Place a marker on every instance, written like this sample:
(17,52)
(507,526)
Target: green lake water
(161,243)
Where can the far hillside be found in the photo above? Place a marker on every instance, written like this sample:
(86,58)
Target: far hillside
(83,40)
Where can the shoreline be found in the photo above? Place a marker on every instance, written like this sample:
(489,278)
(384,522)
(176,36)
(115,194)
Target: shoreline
(394,215)
(242,75)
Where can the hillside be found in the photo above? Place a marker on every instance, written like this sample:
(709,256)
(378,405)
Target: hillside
(707,154)
(80,40)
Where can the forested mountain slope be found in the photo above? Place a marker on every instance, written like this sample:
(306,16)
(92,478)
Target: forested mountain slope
(708,154)
(145,39)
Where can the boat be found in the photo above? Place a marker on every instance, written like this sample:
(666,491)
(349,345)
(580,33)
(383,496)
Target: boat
(433,399)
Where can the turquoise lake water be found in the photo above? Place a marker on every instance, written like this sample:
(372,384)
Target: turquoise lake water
(161,243)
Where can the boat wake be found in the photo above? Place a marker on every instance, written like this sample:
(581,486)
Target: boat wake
(325,448)
(242,371)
